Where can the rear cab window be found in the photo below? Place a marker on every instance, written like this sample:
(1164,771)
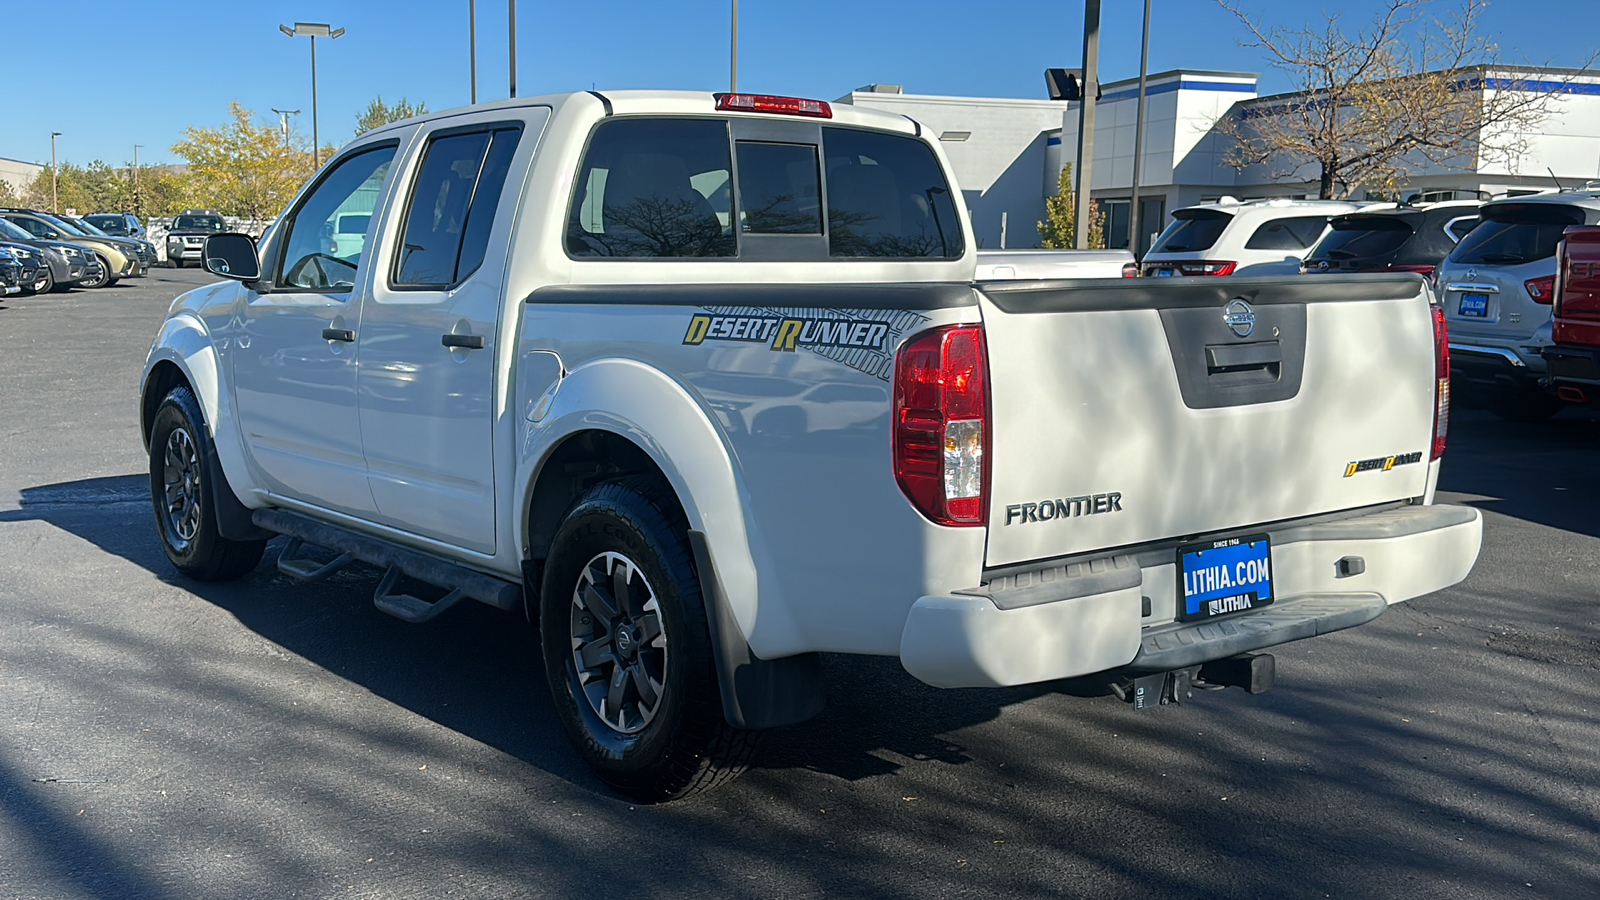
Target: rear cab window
(698,188)
(1192,230)
(1516,233)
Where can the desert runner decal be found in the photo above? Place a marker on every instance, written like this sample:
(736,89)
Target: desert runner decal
(863,340)
(1382,463)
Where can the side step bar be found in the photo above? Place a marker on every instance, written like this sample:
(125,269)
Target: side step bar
(460,582)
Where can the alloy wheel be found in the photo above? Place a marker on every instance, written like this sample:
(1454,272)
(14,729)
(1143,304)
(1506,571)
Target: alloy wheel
(618,647)
(181,474)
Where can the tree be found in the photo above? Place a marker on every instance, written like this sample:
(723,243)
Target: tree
(1370,106)
(243,168)
(1059,229)
(379,114)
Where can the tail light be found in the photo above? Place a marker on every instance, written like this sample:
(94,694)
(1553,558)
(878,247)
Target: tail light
(1424,271)
(1542,290)
(766,103)
(941,424)
(1207,268)
(1441,375)
(1130,270)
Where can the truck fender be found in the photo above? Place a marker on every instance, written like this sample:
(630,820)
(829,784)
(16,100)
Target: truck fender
(642,404)
(183,342)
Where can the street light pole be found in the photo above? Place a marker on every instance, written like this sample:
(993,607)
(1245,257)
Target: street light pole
(53,205)
(136,178)
(284,115)
(1135,236)
(1091,87)
(472,46)
(313,30)
(513,47)
(733,56)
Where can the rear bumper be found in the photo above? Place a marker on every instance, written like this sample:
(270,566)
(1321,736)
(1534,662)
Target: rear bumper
(1087,617)
(1574,367)
(1493,367)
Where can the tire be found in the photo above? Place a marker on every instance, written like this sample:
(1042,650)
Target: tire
(1526,407)
(111,282)
(91,281)
(649,630)
(44,281)
(174,263)
(180,493)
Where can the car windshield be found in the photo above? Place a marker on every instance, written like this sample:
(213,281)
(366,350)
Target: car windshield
(108,224)
(1192,229)
(1362,236)
(64,225)
(198,223)
(1516,234)
(12,232)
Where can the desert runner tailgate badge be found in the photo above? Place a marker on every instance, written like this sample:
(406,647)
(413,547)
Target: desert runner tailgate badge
(1382,463)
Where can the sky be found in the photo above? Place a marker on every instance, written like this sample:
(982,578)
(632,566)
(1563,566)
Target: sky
(143,73)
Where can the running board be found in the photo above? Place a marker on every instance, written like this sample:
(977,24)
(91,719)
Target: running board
(459,581)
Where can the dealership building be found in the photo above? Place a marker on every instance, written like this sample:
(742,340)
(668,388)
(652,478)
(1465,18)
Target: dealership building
(1008,153)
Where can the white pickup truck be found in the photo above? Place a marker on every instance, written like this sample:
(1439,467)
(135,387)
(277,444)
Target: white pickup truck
(706,385)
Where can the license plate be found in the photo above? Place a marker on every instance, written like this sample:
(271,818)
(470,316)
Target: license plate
(1475,305)
(1217,578)
(1163,273)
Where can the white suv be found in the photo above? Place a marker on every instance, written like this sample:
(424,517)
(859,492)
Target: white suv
(1254,237)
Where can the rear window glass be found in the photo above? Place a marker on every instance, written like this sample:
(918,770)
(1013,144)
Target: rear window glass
(780,191)
(1297,233)
(1192,229)
(654,188)
(887,197)
(1514,235)
(1363,236)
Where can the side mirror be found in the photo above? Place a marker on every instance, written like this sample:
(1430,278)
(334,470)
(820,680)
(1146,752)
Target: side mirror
(232,256)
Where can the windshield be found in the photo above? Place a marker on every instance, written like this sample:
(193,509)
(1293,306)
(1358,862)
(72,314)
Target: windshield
(12,232)
(85,227)
(1360,236)
(198,223)
(1192,229)
(1516,234)
(108,224)
(64,225)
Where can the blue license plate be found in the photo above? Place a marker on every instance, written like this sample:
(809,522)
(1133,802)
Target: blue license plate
(1475,305)
(1163,273)
(1217,578)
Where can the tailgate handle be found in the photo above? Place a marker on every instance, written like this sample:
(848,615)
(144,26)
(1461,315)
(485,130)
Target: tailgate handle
(1241,364)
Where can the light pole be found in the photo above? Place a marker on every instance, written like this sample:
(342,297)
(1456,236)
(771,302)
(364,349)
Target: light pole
(1091,88)
(513,6)
(733,55)
(313,30)
(1135,221)
(136,178)
(53,136)
(284,114)
(472,46)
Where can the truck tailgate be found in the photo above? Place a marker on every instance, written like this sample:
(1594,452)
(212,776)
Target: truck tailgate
(1132,411)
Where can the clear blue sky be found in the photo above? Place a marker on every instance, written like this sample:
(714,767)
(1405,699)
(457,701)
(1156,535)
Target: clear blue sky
(139,73)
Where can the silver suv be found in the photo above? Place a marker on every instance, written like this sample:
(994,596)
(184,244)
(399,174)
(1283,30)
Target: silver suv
(1497,286)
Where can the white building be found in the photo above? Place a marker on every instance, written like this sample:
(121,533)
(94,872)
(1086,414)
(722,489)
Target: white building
(1008,153)
(18,174)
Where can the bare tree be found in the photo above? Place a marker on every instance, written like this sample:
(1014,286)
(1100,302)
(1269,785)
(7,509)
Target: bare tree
(1373,105)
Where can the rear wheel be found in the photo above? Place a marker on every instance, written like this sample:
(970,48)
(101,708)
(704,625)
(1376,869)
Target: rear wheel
(180,489)
(627,647)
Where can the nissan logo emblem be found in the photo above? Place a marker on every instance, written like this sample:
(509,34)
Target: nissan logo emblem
(1241,319)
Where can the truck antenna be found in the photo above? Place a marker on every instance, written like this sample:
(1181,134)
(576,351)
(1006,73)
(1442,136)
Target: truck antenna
(1553,177)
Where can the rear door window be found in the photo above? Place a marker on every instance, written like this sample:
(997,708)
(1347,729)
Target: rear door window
(1191,230)
(452,206)
(1296,233)
(887,197)
(654,188)
(1516,234)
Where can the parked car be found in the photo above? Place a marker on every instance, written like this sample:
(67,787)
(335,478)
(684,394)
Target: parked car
(117,224)
(31,260)
(69,263)
(143,250)
(10,273)
(116,260)
(1004,483)
(1407,239)
(1254,237)
(1573,361)
(186,237)
(1497,287)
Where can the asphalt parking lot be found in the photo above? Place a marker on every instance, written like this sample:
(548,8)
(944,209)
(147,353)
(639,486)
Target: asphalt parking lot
(166,739)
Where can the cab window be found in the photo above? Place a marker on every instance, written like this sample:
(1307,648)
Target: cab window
(452,207)
(313,258)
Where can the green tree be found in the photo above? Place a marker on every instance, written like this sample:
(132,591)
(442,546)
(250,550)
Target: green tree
(8,194)
(243,168)
(379,113)
(1059,230)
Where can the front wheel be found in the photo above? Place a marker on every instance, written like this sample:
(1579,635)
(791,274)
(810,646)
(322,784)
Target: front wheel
(94,281)
(627,647)
(44,281)
(180,489)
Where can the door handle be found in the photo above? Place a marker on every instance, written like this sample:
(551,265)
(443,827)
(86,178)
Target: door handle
(462,341)
(338,334)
